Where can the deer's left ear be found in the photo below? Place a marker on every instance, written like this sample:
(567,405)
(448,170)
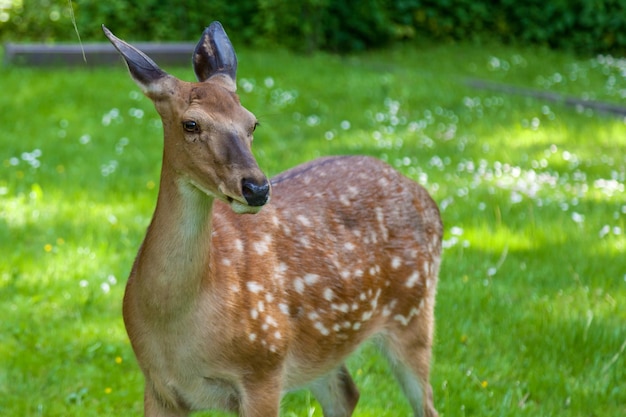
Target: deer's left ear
(146,73)
(214,56)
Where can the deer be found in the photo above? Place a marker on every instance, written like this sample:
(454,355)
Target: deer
(246,288)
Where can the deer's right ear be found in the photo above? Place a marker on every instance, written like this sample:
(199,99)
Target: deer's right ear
(215,56)
(143,70)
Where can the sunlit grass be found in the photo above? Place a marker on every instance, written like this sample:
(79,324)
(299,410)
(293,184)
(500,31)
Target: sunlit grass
(530,314)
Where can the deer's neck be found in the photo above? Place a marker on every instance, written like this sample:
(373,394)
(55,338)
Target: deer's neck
(175,255)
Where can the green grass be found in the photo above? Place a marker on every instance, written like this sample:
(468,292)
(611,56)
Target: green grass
(531,313)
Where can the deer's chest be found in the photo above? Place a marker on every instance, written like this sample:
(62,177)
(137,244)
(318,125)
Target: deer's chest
(186,373)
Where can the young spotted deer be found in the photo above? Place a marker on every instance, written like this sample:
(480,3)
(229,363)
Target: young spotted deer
(234,299)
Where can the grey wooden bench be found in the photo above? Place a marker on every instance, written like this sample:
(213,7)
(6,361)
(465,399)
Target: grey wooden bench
(96,54)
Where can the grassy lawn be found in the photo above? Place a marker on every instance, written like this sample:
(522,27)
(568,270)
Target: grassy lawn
(531,313)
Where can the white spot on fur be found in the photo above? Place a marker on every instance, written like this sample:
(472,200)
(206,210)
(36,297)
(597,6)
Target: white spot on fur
(413,279)
(387,309)
(404,320)
(263,246)
(356,326)
(313,315)
(328,294)
(344,200)
(345,274)
(298,284)
(322,329)
(271,321)
(311,279)
(238,244)
(252,337)
(304,221)
(349,246)
(226,262)
(261,306)
(284,308)
(396,262)
(254,287)
(344,308)
(380,216)
(279,274)
(254,313)
(277,335)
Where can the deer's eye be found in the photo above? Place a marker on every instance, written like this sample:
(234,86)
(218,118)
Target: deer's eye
(254,126)
(190,126)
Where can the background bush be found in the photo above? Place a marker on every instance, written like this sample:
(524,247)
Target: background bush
(585,26)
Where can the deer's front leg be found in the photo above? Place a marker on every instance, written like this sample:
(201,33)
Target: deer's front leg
(261,397)
(154,406)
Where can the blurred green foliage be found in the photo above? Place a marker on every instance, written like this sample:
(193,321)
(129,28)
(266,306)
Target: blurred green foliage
(583,26)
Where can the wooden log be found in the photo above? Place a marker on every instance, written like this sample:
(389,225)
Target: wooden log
(578,103)
(91,54)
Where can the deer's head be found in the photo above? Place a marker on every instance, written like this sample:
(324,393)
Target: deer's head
(208,133)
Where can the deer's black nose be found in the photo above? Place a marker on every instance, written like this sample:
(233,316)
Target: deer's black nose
(255,194)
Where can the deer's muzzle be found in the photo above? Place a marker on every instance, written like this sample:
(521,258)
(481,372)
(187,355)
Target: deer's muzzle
(255,194)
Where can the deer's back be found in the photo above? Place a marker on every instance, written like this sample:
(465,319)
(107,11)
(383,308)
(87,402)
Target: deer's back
(347,246)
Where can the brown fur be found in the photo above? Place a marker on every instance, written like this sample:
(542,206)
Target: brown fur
(229,311)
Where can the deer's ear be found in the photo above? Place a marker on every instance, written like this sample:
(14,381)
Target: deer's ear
(215,56)
(143,70)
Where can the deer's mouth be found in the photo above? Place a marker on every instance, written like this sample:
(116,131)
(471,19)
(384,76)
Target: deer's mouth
(241,208)
(242,205)
(254,195)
